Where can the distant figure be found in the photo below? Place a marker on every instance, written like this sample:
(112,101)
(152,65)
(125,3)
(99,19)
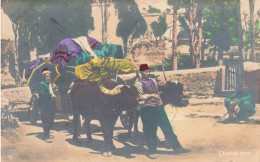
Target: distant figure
(47,102)
(241,104)
(153,114)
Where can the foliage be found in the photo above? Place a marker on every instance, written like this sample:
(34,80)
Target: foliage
(209,62)
(159,27)
(248,35)
(42,24)
(220,24)
(183,22)
(45,23)
(184,61)
(153,10)
(131,21)
(167,66)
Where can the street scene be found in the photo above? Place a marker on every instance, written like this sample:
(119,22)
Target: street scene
(112,80)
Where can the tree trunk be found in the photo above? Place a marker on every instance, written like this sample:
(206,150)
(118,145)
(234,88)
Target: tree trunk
(102,20)
(198,51)
(220,56)
(214,52)
(17,73)
(174,39)
(125,46)
(105,22)
(240,31)
(203,49)
(252,30)
(192,34)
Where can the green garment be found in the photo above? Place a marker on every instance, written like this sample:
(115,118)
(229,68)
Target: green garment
(152,117)
(44,95)
(101,50)
(246,103)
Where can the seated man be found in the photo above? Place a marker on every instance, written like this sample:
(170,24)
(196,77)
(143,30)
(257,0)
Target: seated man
(241,104)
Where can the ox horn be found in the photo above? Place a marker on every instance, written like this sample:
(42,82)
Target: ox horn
(112,92)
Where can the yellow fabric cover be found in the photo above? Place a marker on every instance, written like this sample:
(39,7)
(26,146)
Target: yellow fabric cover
(98,68)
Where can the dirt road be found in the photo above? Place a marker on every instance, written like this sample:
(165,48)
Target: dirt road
(193,126)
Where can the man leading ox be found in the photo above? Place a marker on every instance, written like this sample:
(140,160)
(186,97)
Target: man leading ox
(153,114)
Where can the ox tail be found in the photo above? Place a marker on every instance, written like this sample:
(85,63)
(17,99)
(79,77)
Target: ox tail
(113,92)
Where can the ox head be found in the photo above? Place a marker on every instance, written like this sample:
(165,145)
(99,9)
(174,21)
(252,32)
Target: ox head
(172,93)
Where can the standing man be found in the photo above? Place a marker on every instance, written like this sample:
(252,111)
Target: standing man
(241,104)
(153,114)
(47,102)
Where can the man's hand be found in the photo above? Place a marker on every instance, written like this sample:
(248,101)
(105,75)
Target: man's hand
(154,95)
(234,102)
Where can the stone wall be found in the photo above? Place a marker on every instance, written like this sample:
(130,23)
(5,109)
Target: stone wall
(198,82)
(17,95)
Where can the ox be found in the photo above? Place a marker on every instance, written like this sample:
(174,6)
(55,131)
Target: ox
(94,101)
(171,93)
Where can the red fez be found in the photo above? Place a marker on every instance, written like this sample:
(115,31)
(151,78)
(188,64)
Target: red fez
(45,70)
(144,67)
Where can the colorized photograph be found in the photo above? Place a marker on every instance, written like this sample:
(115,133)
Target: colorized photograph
(130,80)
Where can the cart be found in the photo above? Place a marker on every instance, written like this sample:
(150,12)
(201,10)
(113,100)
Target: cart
(63,105)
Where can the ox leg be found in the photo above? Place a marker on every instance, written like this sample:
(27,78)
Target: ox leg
(88,132)
(131,122)
(107,125)
(75,123)
(136,117)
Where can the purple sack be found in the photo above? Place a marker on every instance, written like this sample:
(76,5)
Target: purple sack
(33,66)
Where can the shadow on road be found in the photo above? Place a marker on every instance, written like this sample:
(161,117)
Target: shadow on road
(248,121)
(40,135)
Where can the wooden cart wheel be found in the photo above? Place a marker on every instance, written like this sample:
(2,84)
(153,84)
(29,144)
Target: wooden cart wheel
(33,110)
(124,118)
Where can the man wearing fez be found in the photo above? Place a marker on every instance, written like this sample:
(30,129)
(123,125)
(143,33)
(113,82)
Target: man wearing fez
(153,114)
(47,102)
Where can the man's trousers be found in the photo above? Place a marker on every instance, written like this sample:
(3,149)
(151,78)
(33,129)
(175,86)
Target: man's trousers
(152,117)
(48,116)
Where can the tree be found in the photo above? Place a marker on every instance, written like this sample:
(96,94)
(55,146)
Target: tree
(240,31)
(252,29)
(192,21)
(220,26)
(104,4)
(159,27)
(41,25)
(248,34)
(131,24)
(175,6)
(16,17)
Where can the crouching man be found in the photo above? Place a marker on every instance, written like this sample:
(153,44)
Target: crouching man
(241,104)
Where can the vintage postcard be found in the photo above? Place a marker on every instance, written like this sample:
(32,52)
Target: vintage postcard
(130,80)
